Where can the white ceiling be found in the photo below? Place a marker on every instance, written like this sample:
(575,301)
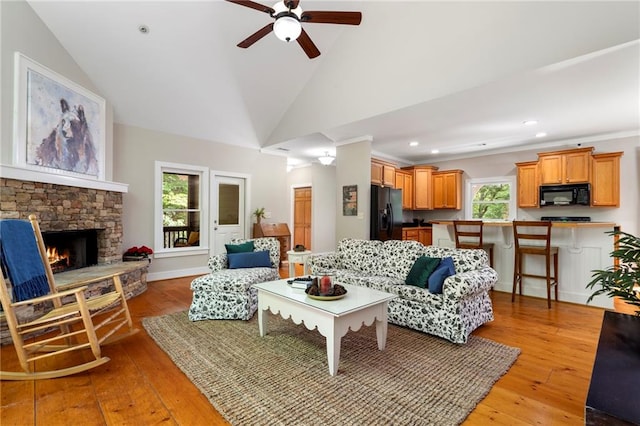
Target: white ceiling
(460,77)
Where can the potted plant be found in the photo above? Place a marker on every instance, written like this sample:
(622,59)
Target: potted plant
(259,214)
(621,280)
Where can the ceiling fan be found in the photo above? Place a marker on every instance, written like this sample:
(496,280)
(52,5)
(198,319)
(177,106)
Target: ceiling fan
(287,25)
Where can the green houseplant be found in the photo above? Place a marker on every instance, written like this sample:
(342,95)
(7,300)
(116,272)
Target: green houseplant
(623,280)
(259,214)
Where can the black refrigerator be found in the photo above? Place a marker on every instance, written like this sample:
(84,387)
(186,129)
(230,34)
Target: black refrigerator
(386,213)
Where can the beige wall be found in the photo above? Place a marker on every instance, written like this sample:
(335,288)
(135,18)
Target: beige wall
(353,162)
(324,196)
(137,150)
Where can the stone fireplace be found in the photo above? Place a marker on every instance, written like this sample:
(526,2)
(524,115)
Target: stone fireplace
(85,225)
(66,208)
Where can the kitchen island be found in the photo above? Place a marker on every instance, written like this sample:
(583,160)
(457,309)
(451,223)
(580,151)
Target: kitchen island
(582,246)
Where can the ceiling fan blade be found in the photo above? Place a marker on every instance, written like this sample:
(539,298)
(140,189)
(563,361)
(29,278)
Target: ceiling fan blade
(256,36)
(254,5)
(329,17)
(307,45)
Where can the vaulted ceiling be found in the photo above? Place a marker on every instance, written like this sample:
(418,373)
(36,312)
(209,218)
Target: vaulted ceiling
(459,77)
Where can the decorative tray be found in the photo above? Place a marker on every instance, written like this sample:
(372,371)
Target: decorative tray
(326,297)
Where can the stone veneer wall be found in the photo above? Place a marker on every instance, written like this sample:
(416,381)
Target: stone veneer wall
(61,208)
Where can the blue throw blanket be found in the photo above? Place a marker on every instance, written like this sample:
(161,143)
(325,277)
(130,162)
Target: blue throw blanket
(22,261)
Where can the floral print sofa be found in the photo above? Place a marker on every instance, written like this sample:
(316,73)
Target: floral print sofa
(463,305)
(227,293)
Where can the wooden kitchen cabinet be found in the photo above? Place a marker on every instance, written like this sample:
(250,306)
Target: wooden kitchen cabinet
(425,236)
(605,181)
(422,186)
(383,173)
(527,174)
(404,181)
(422,235)
(376,173)
(410,234)
(562,167)
(447,189)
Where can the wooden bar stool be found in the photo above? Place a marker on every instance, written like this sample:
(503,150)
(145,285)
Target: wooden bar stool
(538,231)
(471,233)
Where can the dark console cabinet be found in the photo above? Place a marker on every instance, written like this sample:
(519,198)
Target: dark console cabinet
(614,392)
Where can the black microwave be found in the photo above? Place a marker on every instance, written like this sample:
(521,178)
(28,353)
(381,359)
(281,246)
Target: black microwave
(565,195)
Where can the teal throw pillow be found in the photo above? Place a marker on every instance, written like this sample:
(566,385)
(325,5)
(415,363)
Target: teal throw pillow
(445,269)
(254,259)
(240,248)
(421,270)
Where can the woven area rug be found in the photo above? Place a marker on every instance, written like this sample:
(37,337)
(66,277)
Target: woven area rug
(283,378)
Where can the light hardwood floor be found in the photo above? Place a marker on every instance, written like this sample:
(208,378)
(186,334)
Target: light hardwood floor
(547,385)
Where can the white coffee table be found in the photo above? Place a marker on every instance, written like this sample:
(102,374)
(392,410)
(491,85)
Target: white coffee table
(361,306)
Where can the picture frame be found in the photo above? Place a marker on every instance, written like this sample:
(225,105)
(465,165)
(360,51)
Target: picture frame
(350,200)
(59,126)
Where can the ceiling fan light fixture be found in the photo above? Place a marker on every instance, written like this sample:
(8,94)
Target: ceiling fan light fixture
(326,159)
(287,28)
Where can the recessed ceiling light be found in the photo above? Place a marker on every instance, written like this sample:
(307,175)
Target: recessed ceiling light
(541,135)
(143,29)
(435,151)
(530,122)
(414,143)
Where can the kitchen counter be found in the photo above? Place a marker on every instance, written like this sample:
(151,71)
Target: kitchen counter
(553,224)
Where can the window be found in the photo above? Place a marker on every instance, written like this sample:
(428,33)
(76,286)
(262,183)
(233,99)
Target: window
(491,199)
(181,197)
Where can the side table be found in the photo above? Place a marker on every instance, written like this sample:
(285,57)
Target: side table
(299,257)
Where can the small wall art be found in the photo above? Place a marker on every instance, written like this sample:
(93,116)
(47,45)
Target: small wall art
(350,200)
(59,126)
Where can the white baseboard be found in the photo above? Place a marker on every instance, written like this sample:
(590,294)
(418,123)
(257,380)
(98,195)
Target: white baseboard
(563,296)
(178,273)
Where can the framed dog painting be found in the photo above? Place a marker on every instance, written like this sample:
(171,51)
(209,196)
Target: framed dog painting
(59,126)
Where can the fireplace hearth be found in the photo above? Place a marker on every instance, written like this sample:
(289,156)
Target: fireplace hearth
(69,250)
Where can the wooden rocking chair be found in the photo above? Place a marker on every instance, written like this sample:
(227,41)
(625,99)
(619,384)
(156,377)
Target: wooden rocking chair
(69,322)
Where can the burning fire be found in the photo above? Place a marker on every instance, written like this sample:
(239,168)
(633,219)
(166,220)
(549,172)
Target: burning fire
(57,259)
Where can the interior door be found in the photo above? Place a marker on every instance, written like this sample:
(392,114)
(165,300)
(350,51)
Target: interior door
(228,212)
(302,217)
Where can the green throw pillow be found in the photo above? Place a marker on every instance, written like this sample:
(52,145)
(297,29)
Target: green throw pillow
(420,271)
(240,248)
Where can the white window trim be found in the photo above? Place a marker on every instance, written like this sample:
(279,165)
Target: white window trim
(468,195)
(159,251)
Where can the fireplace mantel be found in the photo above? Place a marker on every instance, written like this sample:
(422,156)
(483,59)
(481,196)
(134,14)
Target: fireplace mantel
(21,173)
